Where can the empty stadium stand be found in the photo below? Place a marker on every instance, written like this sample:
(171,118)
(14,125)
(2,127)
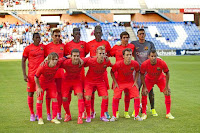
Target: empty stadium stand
(171,35)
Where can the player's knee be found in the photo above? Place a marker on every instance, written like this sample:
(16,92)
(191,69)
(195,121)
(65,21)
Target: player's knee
(64,99)
(88,97)
(54,100)
(39,101)
(80,95)
(105,97)
(126,93)
(30,94)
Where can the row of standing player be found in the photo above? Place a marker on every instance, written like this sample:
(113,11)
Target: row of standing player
(33,53)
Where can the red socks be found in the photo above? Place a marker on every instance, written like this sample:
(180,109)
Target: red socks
(115,105)
(104,105)
(66,107)
(80,107)
(92,102)
(168,104)
(30,104)
(126,102)
(54,109)
(144,104)
(88,107)
(136,106)
(48,102)
(39,110)
(59,98)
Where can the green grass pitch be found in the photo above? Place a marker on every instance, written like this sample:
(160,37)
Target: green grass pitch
(184,83)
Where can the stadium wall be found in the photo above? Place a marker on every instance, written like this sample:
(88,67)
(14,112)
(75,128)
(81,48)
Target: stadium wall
(153,17)
(177,17)
(9,18)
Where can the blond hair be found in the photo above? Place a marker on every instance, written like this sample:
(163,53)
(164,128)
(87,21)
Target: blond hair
(52,56)
(100,48)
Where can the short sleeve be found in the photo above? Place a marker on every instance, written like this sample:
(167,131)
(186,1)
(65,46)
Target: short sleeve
(136,66)
(109,64)
(87,61)
(87,48)
(152,45)
(66,49)
(113,51)
(39,71)
(45,50)
(165,67)
(143,68)
(26,52)
(108,48)
(114,68)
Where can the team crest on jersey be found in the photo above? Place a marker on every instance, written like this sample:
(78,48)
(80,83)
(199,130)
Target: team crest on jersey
(104,66)
(104,45)
(146,48)
(82,46)
(41,48)
(132,68)
(158,68)
(61,48)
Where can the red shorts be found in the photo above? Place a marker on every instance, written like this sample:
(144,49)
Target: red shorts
(31,86)
(68,86)
(89,88)
(133,91)
(161,82)
(50,89)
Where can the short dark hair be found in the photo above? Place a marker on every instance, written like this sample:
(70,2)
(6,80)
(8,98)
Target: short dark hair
(34,34)
(127,49)
(75,51)
(98,27)
(124,33)
(152,51)
(76,29)
(140,30)
(55,30)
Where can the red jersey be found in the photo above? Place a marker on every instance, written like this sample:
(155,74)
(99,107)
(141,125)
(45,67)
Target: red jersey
(116,51)
(154,72)
(81,46)
(35,55)
(96,70)
(93,45)
(47,73)
(59,49)
(73,72)
(125,72)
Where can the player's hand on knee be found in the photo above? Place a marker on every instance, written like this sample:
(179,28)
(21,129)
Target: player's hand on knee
(39,92)
(116,86)
(136,85)
(144,91)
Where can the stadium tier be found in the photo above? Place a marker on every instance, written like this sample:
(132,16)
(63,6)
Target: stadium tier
(165,35)
(171,35)
(172,4)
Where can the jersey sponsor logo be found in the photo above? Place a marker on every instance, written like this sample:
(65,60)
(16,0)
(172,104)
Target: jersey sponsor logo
(41,48)
(158,68)
(141,54)
(146,48)
(132,68)
(82,46)
(61,48)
